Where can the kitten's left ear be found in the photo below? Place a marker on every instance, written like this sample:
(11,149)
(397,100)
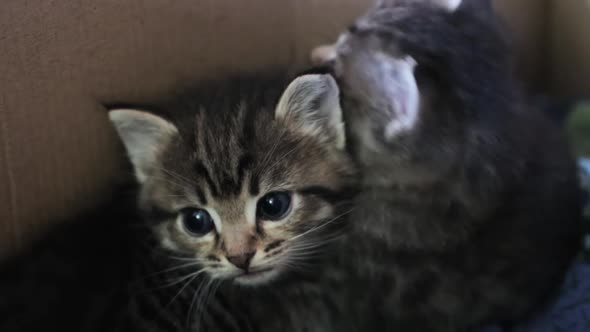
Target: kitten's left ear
(480,7)
(311,104)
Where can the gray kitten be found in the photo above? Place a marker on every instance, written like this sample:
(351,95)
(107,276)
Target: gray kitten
(470,209)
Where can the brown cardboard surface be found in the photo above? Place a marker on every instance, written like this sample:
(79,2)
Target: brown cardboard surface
(527,24)
(570,47)
(61,59)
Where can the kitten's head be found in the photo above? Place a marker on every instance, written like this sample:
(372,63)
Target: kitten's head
(412,72)
(245,179)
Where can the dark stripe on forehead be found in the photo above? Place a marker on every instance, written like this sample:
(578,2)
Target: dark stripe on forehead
(201,196)
(327,194)
(204,173)
(244,165)
(232,183)
(254,184)
(227,185)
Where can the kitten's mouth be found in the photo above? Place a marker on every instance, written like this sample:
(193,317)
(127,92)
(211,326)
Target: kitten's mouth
(256,276)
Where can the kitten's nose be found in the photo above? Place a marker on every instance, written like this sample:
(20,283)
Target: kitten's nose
(241,261)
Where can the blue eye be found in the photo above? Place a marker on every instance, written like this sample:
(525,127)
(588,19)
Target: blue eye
(274,206)
(197,222)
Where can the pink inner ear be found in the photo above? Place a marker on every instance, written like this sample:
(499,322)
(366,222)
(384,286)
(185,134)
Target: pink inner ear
(450,5)
(322,55)
(402,90)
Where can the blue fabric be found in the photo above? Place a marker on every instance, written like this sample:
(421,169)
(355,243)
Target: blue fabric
(569,313)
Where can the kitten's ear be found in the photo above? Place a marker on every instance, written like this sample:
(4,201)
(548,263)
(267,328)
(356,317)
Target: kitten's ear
(323,55)
(311,104)
(450,5)
(144,135)
(401,97)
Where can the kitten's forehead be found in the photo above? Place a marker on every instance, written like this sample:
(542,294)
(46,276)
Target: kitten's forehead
(234,146)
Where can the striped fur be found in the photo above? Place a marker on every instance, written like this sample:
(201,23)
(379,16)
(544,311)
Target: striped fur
(221,147)
(235,142)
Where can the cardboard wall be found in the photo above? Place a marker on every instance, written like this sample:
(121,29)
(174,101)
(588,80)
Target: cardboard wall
(527,23)
(569,55)
(61,60)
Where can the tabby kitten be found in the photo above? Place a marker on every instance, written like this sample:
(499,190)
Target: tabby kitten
(242,185)
(470,199)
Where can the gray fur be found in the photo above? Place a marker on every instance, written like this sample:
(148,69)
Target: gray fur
(470,214)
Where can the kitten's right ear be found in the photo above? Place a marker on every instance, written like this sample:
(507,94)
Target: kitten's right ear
(396,87)
(450,5)
(311,103)
(144,135)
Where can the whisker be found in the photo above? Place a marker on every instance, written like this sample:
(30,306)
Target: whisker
(193,300)
(177,176)
(174,268)
(200,301)
(294,264)
(315,240)
(322,225)
(311,245)
(281,158)
(177,281)
(302,250)
(271,151)
(306,252)
(303,244)
(192,278)
(185,259)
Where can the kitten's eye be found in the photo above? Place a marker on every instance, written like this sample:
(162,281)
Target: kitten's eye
(274,206)
(197,221)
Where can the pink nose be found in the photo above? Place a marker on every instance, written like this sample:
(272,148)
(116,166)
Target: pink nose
(241,261)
